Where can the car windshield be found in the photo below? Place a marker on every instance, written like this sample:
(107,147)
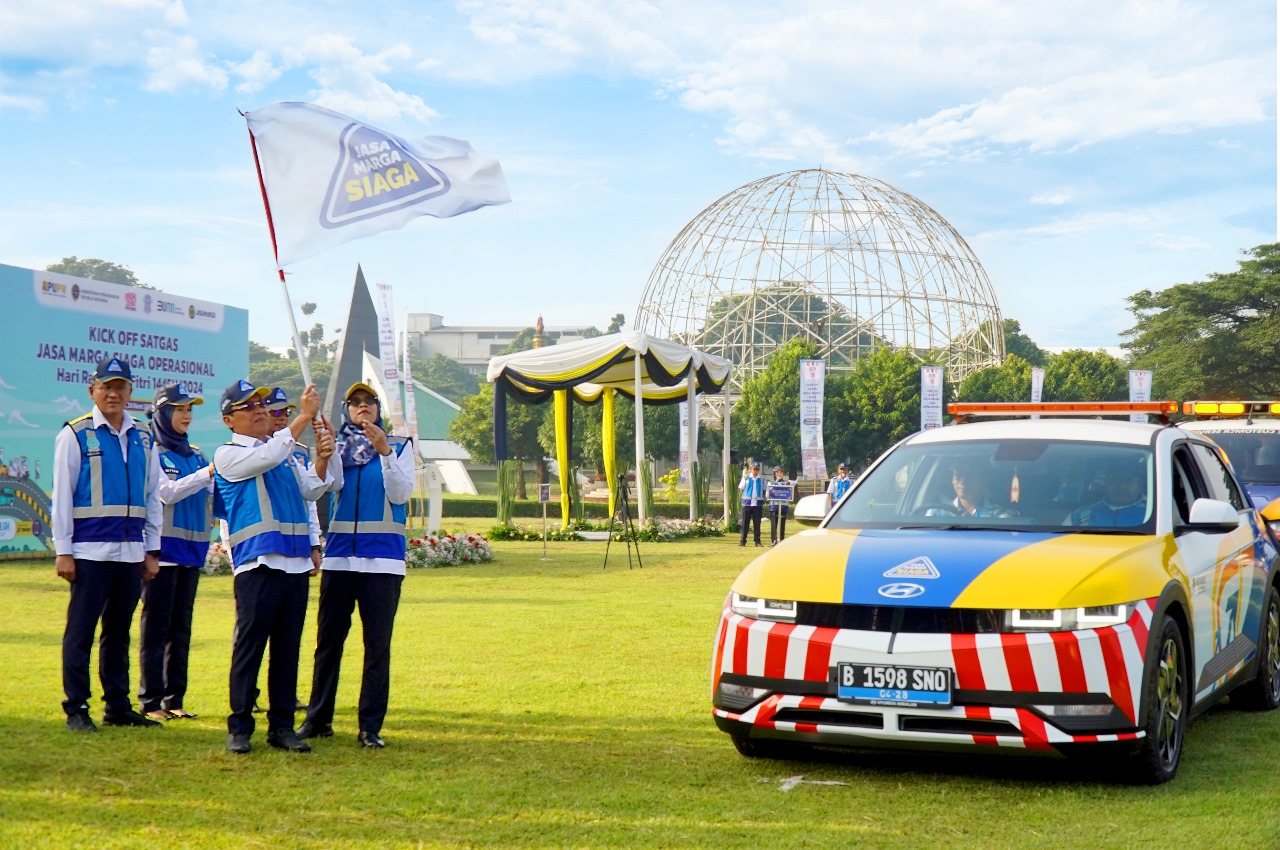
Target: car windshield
(1040,485)
(1254,454)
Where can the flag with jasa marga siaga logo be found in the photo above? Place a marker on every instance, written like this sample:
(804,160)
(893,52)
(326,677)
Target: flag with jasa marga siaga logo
(329,178)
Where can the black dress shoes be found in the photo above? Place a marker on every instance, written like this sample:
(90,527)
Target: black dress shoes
(127,717)
(372,740)
(315,730)
(80,722)
(238,744)
(287,739)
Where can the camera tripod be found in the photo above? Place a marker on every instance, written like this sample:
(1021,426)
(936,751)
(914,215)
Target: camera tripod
(623,515)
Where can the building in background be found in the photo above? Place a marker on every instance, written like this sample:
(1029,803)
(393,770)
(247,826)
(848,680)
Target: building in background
(472,345)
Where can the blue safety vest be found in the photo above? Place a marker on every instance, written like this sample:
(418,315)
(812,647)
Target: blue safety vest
(266,515)
(109,503)
(753,491)
(362,522)
(840,487)
(185,539)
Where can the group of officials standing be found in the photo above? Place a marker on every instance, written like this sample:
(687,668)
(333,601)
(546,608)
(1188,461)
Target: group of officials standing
(132,509)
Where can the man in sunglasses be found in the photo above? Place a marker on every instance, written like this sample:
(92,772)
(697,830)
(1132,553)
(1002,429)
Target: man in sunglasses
(263,491)
(107,520)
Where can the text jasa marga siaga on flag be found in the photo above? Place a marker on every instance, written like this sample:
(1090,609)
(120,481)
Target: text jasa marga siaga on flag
(382,169)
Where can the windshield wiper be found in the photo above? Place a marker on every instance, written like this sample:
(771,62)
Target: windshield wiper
(962,527)
(1085,529)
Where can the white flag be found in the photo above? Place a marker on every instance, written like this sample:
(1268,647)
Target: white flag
(329,179)
(387,350)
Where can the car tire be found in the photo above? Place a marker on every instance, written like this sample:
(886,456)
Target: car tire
(769,748)
(1262,693)
(1165,699)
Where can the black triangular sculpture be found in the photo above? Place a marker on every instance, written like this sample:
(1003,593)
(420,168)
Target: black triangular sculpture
(359,335)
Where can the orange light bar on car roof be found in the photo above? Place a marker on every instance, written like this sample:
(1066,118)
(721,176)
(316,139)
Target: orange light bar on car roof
(1061,408)
(1230,408)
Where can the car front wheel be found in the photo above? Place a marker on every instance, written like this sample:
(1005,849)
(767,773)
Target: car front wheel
(1165,699)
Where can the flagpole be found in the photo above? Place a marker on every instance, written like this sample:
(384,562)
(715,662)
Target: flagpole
(288,302)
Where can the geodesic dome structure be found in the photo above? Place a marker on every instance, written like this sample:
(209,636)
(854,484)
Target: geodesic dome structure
(845,260)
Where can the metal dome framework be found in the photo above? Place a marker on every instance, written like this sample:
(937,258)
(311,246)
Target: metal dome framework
(845,260)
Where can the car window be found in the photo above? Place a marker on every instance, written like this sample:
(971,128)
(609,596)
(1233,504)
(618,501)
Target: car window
(1254,454)
(1218,479)
(1025,483)
(1186,483)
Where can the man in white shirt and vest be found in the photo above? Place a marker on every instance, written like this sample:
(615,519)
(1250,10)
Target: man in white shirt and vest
(263,490)
(107,519)
(751,489)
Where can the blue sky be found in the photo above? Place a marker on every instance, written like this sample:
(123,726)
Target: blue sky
(1086,149)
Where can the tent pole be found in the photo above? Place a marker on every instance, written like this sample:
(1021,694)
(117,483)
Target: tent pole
(640,477)
(692,403)
(725,456)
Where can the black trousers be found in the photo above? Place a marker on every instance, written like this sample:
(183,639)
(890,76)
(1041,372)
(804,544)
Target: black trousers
(777,523)
(751,514)
(165,641)
(106,592)
(378,596)
(271,606)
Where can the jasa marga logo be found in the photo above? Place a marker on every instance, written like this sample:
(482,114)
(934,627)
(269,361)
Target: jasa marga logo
(376,174)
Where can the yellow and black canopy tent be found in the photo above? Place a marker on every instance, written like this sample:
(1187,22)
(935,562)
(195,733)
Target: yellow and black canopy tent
(590,371)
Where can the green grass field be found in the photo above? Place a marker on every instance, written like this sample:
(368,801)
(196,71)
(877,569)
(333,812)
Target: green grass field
(558,704)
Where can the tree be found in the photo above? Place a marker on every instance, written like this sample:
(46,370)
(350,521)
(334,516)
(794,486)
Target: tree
(878,404)
(1218,338)
(767,419)
(1016,342)
(268,369)
(616,323)
(1010,381)
(446,376)
(1080,375)
(95,269)
(472,429)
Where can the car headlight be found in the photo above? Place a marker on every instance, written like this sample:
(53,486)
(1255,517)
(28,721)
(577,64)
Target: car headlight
(1066,619)
(763,609)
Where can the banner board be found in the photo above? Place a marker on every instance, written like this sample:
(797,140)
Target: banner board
(387,353)
(780,493)
(58,328)
(930,397)
(1139,390)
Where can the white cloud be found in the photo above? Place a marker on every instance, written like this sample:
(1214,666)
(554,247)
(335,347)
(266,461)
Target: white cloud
(1050,198)
(34,105)
(350,81)
(1173,242)
(177,63)
(255,72)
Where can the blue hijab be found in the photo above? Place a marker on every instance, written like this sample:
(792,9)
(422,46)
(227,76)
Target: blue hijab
(166,436)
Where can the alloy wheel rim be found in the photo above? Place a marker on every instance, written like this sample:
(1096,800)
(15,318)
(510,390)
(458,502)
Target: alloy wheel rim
(1273,647)
(1169,703)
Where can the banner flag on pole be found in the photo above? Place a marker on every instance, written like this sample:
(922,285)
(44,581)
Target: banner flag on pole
(410,396)
(930,397)
(813,456)
(387,356)
(328,178)
(1139,390)
(1037,387)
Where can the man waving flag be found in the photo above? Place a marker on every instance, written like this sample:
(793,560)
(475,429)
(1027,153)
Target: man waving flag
(328,179)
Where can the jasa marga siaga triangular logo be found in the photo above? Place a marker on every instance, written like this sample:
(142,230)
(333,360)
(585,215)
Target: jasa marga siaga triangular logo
(376,175)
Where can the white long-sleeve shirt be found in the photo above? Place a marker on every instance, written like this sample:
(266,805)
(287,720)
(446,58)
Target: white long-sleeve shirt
(397,480)
(174,490)
(66,471)
(237,464)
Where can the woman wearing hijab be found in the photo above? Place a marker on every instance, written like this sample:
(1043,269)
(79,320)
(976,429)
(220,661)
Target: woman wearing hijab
(363,564)
(169,598)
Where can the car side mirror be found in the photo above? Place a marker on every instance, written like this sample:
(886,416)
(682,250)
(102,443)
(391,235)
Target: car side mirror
(1211,516)
(812,510)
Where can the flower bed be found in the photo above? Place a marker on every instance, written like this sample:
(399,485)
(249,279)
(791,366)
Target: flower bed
(665,530)
(218,561)
(515,531)
(447,550)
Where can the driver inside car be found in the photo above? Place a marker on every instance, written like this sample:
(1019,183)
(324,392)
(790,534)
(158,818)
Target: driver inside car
(971,498)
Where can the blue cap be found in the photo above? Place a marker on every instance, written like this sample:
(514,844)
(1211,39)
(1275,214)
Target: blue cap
(240,392)
(278,399)
(175,394)
(113,369)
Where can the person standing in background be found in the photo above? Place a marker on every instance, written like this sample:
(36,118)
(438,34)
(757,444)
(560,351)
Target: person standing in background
(106,519)
(840,484)
(778,510)
(168,600)
(751,489)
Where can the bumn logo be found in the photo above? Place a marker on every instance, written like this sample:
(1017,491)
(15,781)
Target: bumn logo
(376,175)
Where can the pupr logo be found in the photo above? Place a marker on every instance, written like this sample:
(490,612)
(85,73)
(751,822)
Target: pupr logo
(75,292)
(375,175)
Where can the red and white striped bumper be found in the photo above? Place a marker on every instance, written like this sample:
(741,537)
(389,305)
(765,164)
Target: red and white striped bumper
(997,678)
